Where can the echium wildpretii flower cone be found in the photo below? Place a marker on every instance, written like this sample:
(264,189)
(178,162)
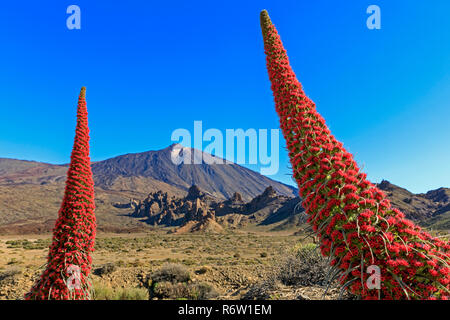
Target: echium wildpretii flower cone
(69,261)
(352,218)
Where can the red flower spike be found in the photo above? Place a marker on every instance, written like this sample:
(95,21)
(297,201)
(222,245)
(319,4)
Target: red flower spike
(69,262)
(360,228)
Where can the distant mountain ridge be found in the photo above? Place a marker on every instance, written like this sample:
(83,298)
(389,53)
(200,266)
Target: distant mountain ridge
(31,193)
(220,180)
(429,209)
(151,171)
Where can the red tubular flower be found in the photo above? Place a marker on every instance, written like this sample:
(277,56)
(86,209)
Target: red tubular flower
(69,260)
(359,217)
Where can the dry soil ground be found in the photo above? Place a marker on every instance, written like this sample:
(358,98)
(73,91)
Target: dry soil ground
(230,262)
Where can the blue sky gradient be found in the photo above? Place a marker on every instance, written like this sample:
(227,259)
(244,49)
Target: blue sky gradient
(151,68)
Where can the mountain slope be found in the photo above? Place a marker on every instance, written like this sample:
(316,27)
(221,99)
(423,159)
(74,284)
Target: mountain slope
(419,207)
(31,192)
(14,171)
(151,171)
(220,180)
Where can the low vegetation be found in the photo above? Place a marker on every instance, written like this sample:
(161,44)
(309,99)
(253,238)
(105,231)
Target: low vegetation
(189,266)
(26,244)
(107,268)
(303,266)
(104,292)
(174,281)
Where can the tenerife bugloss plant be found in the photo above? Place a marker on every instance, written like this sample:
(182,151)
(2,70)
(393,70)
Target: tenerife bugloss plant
(69,262)
(354,221)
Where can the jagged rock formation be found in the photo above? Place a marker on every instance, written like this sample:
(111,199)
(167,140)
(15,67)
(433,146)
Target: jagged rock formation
(31,192)
(232,205)
(161,209)
(198,211)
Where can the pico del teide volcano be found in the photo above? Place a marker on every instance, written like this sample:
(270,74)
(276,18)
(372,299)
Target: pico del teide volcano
(69,261)
(354,221)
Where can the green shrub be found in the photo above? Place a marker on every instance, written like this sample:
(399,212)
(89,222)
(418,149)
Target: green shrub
(171,272)
(183,290)
(105,269)
(39,244)
(169,290)
(173,281)
(102,292)
(202,291)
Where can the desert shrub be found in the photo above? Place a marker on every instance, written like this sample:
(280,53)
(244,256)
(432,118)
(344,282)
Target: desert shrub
(27,244)
(103,292)
(132,294)
(183,290)
(169,290)
(202,291)
(262,290)
(171,272)
(9,273)
(105,269)
(173,281)
(304,266)
(11,244)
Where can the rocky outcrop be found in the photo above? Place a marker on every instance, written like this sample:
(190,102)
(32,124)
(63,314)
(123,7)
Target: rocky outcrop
(232,205)
(419,207)
(263,200)
(199,211)
(159,209)
(195,210)
(194,193)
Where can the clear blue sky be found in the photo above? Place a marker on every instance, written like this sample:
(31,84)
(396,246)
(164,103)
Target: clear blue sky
(150,68)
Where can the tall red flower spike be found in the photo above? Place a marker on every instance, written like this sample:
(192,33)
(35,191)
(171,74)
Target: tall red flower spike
(352,218)
(69,260)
